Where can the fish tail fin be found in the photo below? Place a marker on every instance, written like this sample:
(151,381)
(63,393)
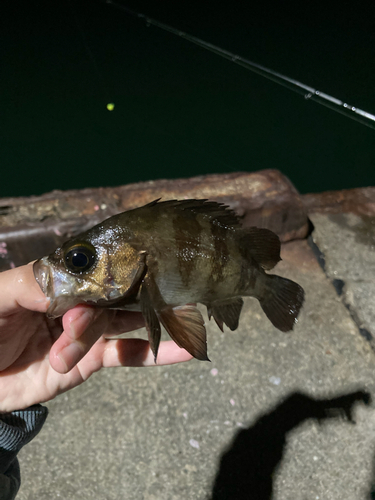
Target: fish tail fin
(282,301)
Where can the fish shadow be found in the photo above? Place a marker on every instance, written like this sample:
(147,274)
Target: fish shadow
(247,467)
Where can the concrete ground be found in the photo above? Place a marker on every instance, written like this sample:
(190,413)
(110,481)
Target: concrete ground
(268,418)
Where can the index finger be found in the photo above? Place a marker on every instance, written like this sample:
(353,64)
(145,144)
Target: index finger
(83,326)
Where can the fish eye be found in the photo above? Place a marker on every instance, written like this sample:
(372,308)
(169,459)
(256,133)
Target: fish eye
(80,258)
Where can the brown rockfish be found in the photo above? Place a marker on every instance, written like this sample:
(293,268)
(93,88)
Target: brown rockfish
(161,259)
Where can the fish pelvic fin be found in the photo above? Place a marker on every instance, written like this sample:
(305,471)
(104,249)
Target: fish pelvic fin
(282,301)
(185,326)
(226,311)
(260,244)
(151,320)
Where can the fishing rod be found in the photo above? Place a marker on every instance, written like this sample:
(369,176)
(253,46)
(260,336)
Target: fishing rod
(310,93)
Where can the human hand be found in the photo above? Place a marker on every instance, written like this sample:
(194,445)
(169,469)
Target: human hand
(41,358)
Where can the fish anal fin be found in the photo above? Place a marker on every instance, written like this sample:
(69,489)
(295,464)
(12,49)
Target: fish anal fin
(282,301)
(185,326)
(262,245)
(226,311)
(151,320)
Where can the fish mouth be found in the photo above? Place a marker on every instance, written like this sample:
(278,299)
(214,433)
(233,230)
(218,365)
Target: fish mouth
(42,274)
(56,286)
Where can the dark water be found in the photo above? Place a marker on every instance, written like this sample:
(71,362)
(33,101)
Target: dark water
(180,110)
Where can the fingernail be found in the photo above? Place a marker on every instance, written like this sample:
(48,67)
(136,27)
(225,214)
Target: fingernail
(81,322)
(70,355)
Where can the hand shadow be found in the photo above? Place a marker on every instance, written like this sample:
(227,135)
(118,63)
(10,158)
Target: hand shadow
(247,467)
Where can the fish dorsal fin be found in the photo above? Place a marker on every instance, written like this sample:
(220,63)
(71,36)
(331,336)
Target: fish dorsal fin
(216,212)
(226,311)
(152,203)
(185,326)
(260,244)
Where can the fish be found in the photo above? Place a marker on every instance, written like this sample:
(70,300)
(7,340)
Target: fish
(164,258)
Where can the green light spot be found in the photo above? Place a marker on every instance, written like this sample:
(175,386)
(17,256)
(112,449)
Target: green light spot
(110,106)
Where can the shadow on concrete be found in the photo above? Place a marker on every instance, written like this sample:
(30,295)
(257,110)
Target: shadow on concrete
(247,467)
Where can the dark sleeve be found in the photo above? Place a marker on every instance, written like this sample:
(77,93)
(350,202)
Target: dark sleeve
(16,429)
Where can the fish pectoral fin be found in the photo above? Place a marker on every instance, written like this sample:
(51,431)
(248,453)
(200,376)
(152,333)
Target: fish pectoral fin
(151,320)
(185,326)
(262,245)
(226,311)
(139,275)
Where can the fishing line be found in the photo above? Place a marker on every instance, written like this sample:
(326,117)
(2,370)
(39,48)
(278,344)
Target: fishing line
(310,93)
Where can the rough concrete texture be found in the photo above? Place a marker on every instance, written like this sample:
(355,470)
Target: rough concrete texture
(347,242)
(263,420)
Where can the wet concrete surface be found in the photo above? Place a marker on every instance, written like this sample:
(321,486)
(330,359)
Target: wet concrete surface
(271,417)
